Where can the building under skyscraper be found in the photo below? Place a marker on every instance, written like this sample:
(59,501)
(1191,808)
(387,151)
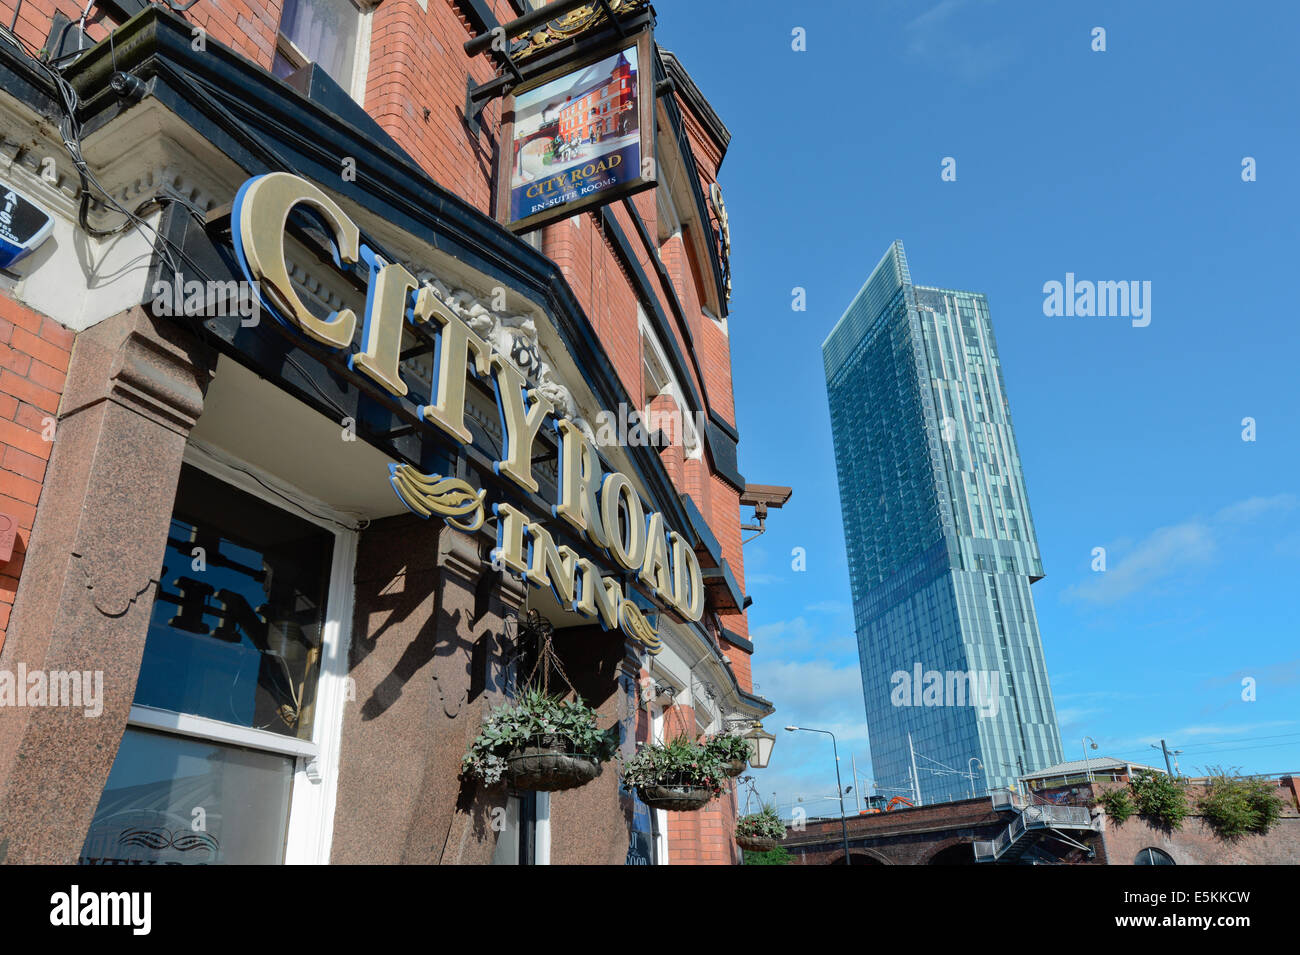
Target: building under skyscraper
(940,542)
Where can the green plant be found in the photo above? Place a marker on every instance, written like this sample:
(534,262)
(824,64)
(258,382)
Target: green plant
(682,762)
(532,715)
(728,747)
(765,824)
(1159,797)
(777,856)
(1234,805)
(1117,803)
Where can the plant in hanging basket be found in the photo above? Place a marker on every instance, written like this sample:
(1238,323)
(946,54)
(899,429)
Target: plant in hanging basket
(680,776)
(760,831)
(732,751)
(540,742)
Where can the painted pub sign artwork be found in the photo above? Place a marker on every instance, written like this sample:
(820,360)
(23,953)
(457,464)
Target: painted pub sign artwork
(578,140)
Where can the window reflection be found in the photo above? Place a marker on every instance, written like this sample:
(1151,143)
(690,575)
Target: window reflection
(235,633)
(176,801)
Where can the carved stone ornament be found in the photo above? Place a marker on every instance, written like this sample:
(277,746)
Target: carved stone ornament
(513,336)
(110,592)
(568,26)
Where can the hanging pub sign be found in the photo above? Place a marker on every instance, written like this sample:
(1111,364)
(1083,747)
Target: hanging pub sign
(23,226)
(579,137)
(601,509)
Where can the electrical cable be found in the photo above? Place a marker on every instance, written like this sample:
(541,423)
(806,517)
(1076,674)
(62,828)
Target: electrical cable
(363,522)
(1219,742)
(70,130)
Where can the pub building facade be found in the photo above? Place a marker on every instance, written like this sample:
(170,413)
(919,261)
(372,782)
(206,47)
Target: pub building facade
(298,433)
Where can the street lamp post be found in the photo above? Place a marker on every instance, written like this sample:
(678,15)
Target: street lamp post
(1168,752)
(844,826)
(970,766)
(1087,762)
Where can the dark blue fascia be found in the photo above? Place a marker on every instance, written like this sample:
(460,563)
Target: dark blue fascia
(723,574)
(702,531)
(736,640)
(264,125)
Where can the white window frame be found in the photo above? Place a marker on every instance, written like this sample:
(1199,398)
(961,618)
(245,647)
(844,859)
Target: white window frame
(310,829)
(661,371)
(542,830)
(661,815)
(356,87)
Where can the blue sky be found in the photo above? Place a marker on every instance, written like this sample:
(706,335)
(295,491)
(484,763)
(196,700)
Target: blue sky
(1123,164)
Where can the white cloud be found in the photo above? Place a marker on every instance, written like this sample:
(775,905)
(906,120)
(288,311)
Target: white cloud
(943,45)
(1074,716)
(1166,552)
(1283,673)
(811,690)
(1219,729)
(1175,550)
(1255,507)
(797,639)
(829,606)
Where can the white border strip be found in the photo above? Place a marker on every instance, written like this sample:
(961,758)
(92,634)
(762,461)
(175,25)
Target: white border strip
(150,717)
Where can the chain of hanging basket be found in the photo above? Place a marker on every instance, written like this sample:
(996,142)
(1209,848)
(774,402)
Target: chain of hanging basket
(540,630)
(541,764)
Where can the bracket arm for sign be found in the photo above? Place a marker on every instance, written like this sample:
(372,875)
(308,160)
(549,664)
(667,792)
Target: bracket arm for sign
(552,11)
(609,12)
(478,95)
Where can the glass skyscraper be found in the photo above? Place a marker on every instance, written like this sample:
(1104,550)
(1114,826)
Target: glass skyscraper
(940,541)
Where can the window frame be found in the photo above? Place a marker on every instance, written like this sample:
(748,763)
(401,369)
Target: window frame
(533,825)
(658,817)
(356,86)
(310,828)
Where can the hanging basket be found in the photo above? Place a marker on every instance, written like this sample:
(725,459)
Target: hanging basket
(735,767)
(675,797)
(756,843)
(548,764)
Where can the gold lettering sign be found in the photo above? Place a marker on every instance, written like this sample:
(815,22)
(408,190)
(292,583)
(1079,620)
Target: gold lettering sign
(262,209)
(427,494)
(605,509)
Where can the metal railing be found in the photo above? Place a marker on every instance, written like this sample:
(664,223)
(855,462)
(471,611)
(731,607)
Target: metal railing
(1005,799)
(1030,817)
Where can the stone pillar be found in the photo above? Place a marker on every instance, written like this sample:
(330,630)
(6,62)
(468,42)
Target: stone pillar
(135,389)
(591,825)
(426,655)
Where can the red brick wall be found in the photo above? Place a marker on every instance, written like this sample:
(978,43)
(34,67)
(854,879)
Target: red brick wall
(416,64)
(34,19)
(705,836)
(1196,843)
(588,263)
(34,353)
(249,28)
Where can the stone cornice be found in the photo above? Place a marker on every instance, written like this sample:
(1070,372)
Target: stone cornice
(142,363)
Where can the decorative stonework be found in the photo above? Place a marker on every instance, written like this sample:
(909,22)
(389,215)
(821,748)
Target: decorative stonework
(164,181)
(724,234)
(511,335)
(110,592)
(450,498)
(150,377)
(568,26)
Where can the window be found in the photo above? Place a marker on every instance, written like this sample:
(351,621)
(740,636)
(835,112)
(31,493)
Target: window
(325,32)
(173,799)
(223,725)
(1151,856)
(517,841)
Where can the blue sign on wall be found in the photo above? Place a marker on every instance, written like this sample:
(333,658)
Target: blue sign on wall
(23,226)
